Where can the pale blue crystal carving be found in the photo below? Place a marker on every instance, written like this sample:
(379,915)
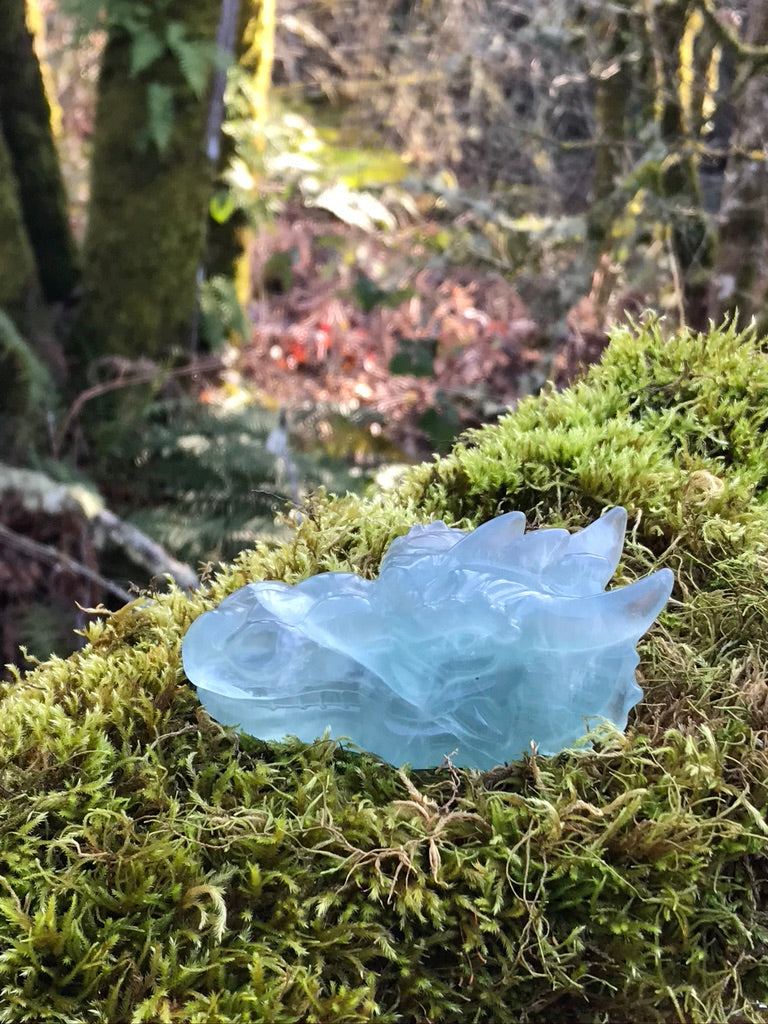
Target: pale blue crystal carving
(472,644)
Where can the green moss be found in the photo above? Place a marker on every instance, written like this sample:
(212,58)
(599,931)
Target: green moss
(156,866)
(27,393)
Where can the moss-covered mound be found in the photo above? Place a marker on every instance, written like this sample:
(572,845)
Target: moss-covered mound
(158,867)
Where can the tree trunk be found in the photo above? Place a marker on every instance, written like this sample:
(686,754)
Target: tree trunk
(224,242)
(148,208)
(612,87)
(17,262)
(28,349)
(740,280)
(26,119)
(691,238)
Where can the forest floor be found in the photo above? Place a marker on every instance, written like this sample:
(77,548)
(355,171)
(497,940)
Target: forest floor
(342,320)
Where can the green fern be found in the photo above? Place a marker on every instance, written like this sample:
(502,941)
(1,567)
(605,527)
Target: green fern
(146,48)
(203,482)
(221,314)
(160,115)
(195,57)
(150,38)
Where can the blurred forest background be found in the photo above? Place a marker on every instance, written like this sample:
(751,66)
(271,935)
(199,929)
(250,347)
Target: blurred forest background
(253,247)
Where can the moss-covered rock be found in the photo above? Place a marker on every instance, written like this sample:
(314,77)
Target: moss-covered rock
(156,866)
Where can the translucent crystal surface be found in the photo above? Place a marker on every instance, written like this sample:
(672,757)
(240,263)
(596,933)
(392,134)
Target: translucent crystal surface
(478,643)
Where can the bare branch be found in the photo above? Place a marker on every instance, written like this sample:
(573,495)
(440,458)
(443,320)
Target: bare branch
(127,381)
(52,556)
(757,54)
(144,551)
(40,494)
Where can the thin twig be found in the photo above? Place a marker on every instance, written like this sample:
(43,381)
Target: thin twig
(169,735)
(676,279)
(142,377)
(45,553)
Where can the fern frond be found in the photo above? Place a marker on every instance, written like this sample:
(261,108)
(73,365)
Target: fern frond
(160,115)
(221,314)
(207,486)
(146,48)
(195,57)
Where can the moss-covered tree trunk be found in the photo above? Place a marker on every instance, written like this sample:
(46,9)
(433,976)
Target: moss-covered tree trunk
(740,278)
(17,263)
(26,119)
(148,207)
(27,347)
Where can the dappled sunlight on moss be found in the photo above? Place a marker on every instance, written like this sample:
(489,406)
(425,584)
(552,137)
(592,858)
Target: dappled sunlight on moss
(157,866)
